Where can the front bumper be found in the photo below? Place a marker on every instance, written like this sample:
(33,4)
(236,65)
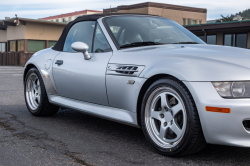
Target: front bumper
(221,128)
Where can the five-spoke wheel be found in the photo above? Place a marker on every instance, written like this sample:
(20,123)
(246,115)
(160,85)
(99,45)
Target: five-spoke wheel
(170,120)
(33,91)
(35,95)
(165,117)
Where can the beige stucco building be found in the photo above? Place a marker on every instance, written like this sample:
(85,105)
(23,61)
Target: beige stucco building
(28,35)
(181,14)
(3,36)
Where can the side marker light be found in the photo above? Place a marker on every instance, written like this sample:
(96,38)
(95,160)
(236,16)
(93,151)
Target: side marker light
(218,109)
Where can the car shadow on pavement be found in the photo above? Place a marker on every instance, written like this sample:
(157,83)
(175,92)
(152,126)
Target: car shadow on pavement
(119,144)
(130,136)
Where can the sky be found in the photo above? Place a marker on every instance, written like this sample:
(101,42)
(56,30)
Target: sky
(43,8)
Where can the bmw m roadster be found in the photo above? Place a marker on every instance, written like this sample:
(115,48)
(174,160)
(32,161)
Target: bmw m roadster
(145,71)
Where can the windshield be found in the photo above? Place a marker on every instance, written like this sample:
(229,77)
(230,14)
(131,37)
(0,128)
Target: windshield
(130,31)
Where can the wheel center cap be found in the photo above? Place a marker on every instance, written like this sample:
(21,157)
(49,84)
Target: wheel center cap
(168,116)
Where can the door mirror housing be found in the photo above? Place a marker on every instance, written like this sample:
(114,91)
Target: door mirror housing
(81,47)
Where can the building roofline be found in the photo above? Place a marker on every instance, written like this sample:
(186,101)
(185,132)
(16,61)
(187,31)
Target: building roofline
(157,5)
(70,14)
(219,25)
(3,27)
(216,23)
(23,21)
(43,21)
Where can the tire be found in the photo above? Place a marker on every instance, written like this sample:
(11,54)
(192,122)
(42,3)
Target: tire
(35,95)
(170,120)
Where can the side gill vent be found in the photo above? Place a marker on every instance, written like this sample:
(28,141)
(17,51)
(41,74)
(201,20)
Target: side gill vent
(127,69)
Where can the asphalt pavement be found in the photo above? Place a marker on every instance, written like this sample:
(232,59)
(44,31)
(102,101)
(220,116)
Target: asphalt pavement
(74,138)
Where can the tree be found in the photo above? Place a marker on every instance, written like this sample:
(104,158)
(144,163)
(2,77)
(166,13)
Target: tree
(225,18)
(244,13)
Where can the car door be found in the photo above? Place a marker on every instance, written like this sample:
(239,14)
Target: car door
(80,79)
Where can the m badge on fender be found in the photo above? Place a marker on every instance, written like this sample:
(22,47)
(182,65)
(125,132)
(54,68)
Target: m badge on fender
(131,82)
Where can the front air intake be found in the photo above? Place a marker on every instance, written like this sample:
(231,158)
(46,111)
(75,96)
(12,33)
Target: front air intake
(124,70)
(127,69)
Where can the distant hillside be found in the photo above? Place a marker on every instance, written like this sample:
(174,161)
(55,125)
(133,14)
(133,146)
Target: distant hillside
(244,13)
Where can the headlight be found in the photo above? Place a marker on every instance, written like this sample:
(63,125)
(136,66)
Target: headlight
(232,89)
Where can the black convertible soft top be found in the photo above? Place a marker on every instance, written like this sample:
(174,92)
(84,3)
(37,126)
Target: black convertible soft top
(60,43)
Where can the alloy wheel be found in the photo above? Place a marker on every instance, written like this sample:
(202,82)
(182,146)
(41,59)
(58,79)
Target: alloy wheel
(33,91)
(165,117)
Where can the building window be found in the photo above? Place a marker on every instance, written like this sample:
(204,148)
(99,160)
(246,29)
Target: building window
(189,21)
(20,45)
(241,40)
(2,47)
(57,20)
(236,40)
(229,40)
(200,22)
(64,19)
(35,45)
(12,46)
(183,21)
(69,19)
(211,39)
(194,22)
(202,37)
(52,43)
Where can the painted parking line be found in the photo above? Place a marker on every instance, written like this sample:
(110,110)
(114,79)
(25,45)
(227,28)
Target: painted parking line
(17,75)
(11,69)
(15,71)
(9,72)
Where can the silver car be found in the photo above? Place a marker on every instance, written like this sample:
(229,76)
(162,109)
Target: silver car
(149,72)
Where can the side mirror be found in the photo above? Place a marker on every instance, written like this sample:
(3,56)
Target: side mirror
(81,47)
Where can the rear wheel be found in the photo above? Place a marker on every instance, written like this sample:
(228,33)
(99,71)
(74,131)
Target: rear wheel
(35,95)
(170,119)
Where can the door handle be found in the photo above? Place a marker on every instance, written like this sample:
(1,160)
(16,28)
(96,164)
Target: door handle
(59,62)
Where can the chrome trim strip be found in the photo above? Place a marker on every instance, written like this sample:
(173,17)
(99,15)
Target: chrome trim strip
(124,70)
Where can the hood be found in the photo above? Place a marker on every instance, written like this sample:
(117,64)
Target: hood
(189,62)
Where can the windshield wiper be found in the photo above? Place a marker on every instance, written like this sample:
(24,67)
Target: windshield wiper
(189,42)
(138,44)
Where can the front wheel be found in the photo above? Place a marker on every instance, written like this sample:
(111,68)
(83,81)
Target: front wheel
(35,95)
(170,120)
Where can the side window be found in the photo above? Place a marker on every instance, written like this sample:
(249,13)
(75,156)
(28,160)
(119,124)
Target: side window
(80,32)
(100,43)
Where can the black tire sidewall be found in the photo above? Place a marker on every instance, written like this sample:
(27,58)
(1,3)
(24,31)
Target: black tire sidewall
(43,92)
(189,111)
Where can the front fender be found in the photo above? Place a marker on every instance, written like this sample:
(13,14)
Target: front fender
(43,60)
